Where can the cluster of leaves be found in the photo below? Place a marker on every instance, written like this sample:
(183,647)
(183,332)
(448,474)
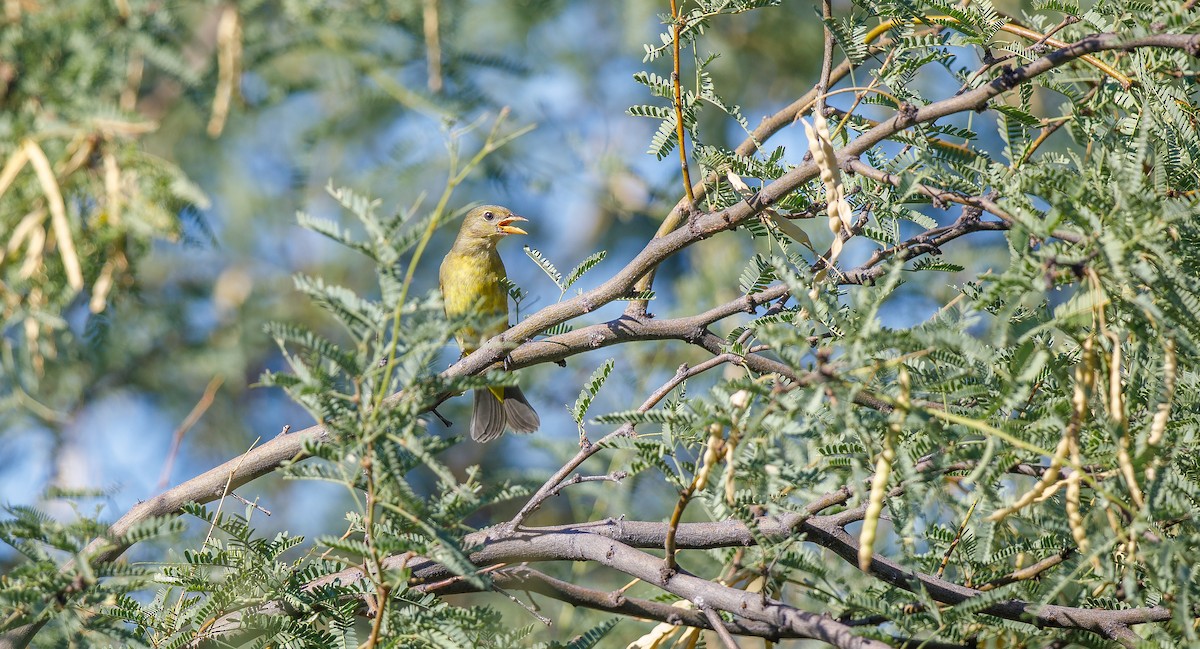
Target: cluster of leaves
(57,581)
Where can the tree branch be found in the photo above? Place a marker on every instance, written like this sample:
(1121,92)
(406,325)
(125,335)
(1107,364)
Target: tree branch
(612,543)
(585,541)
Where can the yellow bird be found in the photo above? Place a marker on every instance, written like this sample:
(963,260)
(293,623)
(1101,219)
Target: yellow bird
(470,279)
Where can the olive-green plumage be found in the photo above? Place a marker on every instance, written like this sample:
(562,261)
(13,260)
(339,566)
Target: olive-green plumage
(470,279)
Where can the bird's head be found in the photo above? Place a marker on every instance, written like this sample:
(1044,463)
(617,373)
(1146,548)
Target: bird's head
(491,222)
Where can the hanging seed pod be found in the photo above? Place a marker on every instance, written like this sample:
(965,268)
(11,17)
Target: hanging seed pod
(883,471)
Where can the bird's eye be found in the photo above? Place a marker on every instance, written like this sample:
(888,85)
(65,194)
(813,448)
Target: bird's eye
(488,216)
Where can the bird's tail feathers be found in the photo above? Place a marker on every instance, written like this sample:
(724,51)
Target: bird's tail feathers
(490,416)
(487,416)
(521,416)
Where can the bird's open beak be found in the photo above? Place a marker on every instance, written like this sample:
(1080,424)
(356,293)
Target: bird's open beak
(506,225)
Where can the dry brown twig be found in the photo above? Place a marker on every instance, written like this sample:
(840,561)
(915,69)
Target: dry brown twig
(197,411)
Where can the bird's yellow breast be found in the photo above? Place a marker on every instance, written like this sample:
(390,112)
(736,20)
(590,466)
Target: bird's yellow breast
(472,281)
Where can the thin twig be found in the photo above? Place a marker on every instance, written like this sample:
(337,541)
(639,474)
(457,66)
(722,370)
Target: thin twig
(827,56)
(615,476)
(990,62)
(677,86)
(190,420)
(1038,141)
(981,202)
(862,94)
(227,490)
(382,589)
(962,529)
(713,452)
(753,142)
(532,580)
(529,609)
(251,504)
(718,625)
(1011,28)
(1029,572)
(377,623)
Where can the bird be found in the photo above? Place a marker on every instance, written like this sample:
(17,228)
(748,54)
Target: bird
(471,279)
